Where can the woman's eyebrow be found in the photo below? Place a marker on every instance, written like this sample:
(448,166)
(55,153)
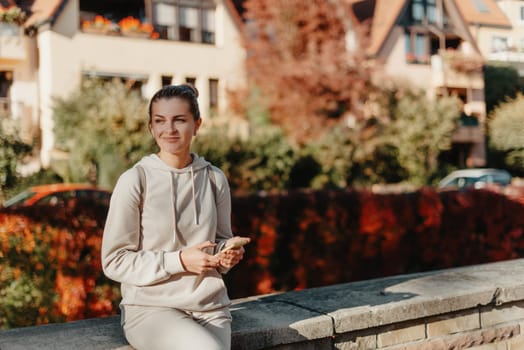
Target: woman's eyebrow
(173,116)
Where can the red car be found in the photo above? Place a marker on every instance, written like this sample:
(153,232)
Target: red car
(58,194)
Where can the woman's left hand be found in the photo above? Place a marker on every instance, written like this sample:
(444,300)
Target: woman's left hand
(231,257)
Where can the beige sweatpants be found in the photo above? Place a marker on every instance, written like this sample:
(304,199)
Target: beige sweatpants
(160,328)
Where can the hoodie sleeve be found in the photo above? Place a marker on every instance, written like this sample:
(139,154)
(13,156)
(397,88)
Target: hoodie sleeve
(122,259)
(223,203)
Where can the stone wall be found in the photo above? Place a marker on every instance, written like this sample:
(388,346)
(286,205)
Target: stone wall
(477,307)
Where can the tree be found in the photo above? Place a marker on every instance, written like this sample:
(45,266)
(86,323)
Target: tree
(399,141)
(421,129)
(506,131)
(103,128)
(298,58)
(12,150)
(501,82)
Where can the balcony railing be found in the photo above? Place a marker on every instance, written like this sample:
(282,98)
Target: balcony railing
(468,134)
(453,69)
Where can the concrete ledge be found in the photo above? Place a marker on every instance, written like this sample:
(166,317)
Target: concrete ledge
(473,305)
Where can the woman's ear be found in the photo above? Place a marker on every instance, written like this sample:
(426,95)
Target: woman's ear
(197,126)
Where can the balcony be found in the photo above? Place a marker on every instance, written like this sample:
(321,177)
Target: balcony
(468,134)
(457,70)
(507,56)
(12,44)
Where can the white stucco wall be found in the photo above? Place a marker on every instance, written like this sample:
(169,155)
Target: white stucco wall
(515,34)
(396,66)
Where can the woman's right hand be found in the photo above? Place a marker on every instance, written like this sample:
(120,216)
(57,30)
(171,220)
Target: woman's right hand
(195,260)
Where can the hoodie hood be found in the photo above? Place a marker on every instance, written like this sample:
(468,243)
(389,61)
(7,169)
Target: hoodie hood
(153,161)
(175,177)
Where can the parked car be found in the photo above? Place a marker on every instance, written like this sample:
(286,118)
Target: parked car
(58,194)
(476,178)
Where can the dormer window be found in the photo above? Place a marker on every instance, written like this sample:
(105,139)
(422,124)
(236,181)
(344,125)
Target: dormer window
(424,11)
(185,20)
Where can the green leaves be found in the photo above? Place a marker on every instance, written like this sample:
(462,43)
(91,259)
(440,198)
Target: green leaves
(12,149)
(103,129)
(506,131)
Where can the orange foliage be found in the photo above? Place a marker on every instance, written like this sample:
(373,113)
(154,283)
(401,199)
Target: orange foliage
(59,249)
(301,239)
(299,59)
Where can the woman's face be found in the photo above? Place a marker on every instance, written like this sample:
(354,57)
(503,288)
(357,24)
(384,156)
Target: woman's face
(173,125)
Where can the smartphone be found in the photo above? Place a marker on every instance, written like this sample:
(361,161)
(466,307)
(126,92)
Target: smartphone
(236,244)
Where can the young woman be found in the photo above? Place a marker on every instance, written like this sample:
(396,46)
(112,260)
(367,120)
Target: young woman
(165,234)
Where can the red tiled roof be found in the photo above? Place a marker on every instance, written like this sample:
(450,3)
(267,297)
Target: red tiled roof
(492,17)
(380,15)
(386,13)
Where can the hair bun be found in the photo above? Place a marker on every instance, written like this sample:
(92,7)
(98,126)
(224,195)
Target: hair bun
(192,88)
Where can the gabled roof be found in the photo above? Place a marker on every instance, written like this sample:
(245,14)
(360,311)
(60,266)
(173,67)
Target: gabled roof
(483,12)
(382,15)
(386,14)
(379,16)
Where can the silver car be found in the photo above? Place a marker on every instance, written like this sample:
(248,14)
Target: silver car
(476,178)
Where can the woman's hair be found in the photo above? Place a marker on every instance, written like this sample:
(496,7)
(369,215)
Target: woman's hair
(184,91)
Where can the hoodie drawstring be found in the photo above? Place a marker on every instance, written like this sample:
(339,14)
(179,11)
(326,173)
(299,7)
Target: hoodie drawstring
(193,192)
(173,200)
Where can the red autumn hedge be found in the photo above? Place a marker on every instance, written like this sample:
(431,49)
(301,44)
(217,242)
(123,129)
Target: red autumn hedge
(50,257)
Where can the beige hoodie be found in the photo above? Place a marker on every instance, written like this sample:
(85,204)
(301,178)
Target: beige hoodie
(178,211)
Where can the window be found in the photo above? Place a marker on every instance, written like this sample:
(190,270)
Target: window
(132,82)
(499,43)
(165,20)
(166,80)
(480,6)
(213,96)
(191,81)
(188,17)
(208,26)
(431,11)
(424,10)
(417,47)
(185,20)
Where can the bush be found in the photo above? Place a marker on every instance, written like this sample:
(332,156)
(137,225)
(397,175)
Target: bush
(12,150)
(505,131)
(263,162)
(501,82)
(103,128)
(50,269)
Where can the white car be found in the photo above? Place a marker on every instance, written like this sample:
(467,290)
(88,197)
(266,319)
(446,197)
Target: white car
(476,178)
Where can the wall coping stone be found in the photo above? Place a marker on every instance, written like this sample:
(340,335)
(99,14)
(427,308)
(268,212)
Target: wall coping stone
(284,318)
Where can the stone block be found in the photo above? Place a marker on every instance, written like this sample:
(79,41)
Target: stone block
(453,323)
(401,334)
(266,323)
(361,340)
(495,346)
(490,316)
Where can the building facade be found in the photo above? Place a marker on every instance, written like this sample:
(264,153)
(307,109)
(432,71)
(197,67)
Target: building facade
(193,41)
(428,44)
